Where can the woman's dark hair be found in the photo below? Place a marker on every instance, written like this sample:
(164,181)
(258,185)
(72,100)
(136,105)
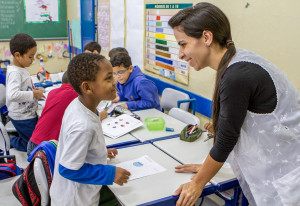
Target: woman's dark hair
(205,16)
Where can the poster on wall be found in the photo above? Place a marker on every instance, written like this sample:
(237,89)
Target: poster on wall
(161,46)
(103,25)
(41,11)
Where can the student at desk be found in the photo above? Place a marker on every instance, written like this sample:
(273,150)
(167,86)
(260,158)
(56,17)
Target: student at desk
(81,158)
(133,86)
(256,112)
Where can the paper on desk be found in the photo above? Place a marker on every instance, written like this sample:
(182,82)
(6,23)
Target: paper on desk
(141,167)
(123,124)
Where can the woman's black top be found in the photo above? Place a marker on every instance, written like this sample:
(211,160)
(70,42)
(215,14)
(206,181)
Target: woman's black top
(244,86)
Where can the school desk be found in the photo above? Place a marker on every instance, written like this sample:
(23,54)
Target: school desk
(195,153)
(144,135)
(155,189)
(121,141)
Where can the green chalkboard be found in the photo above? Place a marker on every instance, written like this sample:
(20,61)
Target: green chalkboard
(13,21)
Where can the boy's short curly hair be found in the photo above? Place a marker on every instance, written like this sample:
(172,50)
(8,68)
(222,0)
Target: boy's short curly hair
(21,43)
(121,59)
(117,50)
(91,46)
(83,67)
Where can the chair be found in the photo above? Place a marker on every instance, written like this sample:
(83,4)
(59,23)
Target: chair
(41,180)
(184,116)
(9,126)
(4,139)
(173,98)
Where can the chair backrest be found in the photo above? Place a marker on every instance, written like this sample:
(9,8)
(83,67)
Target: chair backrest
(3,95)
(4,139)
(170,97)
(41,180)
(184,116)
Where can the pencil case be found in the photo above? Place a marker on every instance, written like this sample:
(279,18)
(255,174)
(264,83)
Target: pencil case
(190,137)
(155,123)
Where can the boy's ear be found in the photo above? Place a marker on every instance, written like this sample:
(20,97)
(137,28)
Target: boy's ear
(130,68)
(17,54)
(86,88)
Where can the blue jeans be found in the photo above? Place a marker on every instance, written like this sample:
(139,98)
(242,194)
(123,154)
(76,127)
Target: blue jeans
(25,129)
(30,147)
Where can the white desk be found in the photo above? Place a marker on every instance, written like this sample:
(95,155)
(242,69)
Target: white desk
(152,187)
(193,153)
(121,141)
(144,135)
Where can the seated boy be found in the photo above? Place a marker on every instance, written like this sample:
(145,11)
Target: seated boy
(21,98)
(133,86)
(81,157)
(92,47)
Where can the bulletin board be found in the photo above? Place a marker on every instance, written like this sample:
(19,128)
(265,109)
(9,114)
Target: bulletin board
(13,20)
(161,48)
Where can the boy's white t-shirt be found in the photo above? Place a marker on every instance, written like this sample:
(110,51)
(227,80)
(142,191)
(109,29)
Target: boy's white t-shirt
(81,141)
(20,101)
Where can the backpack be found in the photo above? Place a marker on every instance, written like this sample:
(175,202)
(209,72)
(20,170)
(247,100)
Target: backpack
(25,189)
(9,168)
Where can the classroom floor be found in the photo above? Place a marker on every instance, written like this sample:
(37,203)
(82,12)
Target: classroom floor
(8,199)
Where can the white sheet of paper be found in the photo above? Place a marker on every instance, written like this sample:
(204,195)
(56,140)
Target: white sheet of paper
(116,127)
(141,167)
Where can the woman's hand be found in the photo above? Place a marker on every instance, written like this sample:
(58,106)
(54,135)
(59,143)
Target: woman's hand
(189,193)
(209,127)
(188,168)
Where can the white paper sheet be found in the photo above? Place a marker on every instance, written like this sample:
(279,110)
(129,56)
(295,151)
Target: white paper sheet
(141,167)
(116,127)
(117,23)
(41,11)
(135,31)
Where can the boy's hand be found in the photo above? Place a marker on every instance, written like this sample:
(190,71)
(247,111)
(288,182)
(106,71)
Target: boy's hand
(37,94)
(42,89)
(103,114)
(121,176)
(124,105)
(116,99)
(112,153)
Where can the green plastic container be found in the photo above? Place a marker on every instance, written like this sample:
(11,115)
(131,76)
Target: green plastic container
(155,123)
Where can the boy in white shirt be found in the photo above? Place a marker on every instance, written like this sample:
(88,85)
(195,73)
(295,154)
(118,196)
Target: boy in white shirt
(21,97)
(81,157)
